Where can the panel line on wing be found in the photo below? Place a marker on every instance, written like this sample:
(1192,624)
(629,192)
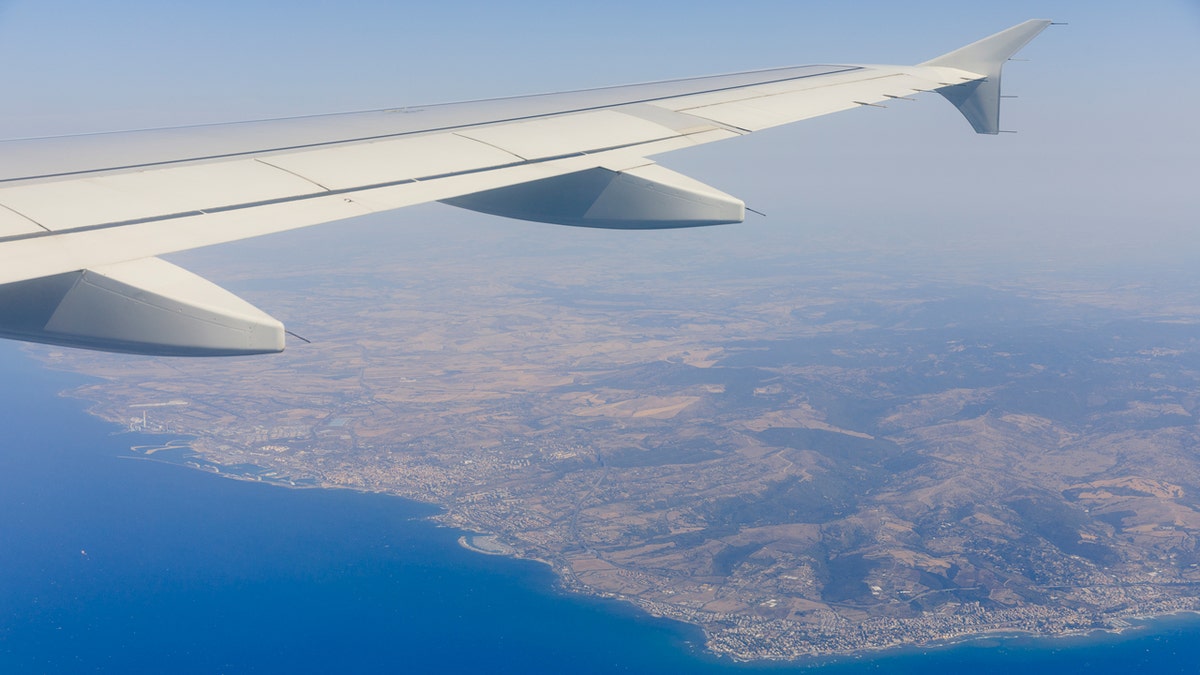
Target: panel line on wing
(301,177)
(7,223)
(493,146)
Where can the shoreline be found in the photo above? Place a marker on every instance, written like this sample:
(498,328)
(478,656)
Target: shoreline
(486,544)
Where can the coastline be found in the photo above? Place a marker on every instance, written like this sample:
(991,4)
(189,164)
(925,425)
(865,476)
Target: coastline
(714,645)
(489,545)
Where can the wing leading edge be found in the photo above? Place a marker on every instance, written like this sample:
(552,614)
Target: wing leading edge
(81,218)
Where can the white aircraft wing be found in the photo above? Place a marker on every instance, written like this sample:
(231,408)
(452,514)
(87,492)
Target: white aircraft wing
(82,217)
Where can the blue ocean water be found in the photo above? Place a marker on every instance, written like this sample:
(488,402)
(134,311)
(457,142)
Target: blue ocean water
(114,564)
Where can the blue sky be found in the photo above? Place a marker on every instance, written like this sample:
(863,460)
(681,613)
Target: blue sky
(1105,158)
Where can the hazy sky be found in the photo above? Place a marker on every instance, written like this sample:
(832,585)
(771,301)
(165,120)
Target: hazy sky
(1106,158)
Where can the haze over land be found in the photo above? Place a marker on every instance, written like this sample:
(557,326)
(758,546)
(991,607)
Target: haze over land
(808,449)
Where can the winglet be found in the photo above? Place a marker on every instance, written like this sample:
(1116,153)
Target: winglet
(979,100)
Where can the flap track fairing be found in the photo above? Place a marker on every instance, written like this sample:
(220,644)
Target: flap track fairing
(146,306)
(647,197)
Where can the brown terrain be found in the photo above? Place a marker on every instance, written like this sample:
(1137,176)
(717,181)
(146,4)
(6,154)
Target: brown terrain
(802,451)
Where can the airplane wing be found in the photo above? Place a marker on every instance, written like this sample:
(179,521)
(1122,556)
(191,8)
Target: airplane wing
(83,217)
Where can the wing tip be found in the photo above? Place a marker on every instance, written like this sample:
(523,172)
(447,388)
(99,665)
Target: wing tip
(979,101)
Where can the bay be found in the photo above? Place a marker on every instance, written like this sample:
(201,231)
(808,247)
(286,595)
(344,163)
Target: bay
(110,563)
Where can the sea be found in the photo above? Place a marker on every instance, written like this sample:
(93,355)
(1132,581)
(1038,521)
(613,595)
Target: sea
(113,563)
